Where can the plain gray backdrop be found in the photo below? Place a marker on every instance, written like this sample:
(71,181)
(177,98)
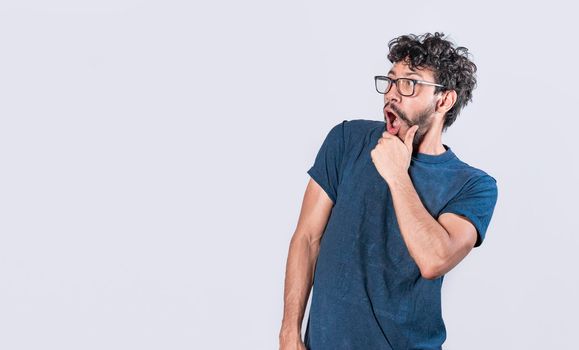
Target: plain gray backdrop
(154,155)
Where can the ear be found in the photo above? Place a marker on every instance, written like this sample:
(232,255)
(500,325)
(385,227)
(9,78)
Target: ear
(446,102)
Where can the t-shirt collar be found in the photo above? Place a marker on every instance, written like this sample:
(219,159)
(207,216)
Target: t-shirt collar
(429,158)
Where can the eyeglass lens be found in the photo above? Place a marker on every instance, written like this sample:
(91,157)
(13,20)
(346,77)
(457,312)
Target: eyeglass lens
(405,86)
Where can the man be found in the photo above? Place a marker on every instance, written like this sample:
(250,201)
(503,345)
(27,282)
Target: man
(388,211)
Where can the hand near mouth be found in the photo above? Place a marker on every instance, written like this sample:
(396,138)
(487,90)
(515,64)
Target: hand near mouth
(391,156)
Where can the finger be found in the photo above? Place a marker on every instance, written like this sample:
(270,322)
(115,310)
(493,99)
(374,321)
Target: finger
(384,139)
(387,135)
(410,137)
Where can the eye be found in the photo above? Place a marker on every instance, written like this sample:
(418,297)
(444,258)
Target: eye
(406,84)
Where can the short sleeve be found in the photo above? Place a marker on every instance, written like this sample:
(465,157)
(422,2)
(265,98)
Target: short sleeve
(476,201)
(326,168)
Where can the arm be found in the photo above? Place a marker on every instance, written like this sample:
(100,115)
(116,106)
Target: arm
(435,246)
(302,257)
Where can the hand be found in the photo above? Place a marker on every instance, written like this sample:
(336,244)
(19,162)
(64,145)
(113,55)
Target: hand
(391,156)
(291,343)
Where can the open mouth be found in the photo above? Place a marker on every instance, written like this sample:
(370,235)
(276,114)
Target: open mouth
(392,122)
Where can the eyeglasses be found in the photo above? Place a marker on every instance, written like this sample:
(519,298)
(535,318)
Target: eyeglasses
(405,86)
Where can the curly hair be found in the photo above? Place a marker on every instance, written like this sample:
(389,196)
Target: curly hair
(451,65)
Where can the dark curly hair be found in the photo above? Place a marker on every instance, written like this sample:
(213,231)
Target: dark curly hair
(451,65)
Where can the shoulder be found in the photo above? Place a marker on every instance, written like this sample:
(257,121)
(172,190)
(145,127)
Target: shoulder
(476,178)
(361,126)
(350,131)
(357,129)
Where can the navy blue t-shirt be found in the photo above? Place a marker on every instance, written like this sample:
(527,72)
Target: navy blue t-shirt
(368,292)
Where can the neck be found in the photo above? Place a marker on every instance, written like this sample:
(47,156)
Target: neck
(432,142)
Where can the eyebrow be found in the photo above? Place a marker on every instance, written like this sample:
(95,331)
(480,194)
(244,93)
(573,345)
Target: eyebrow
(408,74)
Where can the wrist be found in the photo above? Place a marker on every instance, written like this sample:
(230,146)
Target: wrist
(290,331)
(399,181)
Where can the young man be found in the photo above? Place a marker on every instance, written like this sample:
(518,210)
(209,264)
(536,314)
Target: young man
(388,211)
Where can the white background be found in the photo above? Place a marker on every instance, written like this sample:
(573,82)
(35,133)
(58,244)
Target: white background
(154,155)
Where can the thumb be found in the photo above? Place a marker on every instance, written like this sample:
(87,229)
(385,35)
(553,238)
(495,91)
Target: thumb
(409,138)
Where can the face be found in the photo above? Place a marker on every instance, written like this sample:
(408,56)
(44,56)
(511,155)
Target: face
(402,112)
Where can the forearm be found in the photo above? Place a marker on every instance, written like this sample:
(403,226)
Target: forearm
(300,265)
(427,241)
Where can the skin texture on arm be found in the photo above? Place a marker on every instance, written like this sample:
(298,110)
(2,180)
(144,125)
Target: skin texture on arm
(301,261)
(435,246)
